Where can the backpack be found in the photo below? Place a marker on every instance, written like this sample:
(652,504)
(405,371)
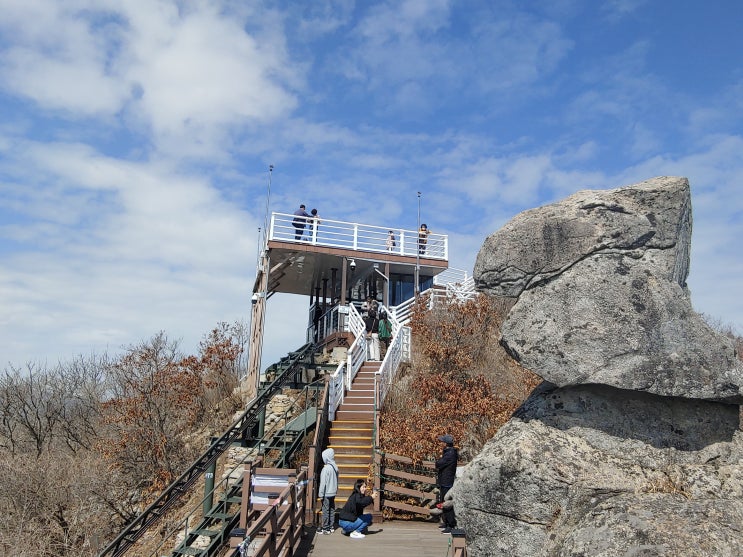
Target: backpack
(385,329)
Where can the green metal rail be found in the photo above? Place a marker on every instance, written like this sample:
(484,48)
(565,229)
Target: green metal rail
(287,369)
(224,515)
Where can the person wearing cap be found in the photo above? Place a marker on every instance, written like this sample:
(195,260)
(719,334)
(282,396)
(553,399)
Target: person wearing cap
(299,222)
(446,471)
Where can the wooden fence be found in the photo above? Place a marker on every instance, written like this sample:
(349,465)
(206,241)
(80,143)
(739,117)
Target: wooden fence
(399,478)
(274,526)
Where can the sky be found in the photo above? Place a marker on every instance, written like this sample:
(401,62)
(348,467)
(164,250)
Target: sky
(136,137)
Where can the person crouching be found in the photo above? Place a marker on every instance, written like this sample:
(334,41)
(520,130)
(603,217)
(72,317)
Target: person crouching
(352,519)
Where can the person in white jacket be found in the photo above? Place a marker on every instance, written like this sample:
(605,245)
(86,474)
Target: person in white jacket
(327,491)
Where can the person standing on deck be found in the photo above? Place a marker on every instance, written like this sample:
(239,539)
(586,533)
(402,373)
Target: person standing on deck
(423,238)
(314,224)
(327,491)
(446,471)
(299,222)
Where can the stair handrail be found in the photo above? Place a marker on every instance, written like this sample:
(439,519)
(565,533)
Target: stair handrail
(282,514)
(462,291)
(305,396)
(314,459)
(452,275)
(183,524)
(358,349)
(137,527)
(395,355)
(336,389)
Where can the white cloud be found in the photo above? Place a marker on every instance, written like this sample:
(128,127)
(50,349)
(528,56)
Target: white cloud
(188,73)
(158,251)
(200,72)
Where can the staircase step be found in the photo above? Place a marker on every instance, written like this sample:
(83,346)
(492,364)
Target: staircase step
(189,551)
(356,407)
(352,449)
(340,429)
(338,442)
(205,532)
(350,458)
(351,478)
(360,399)
(355,414)
(346,437)
(220,516)
(351,467)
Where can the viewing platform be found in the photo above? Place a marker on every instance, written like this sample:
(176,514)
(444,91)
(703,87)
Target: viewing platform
(399,537)
(300,258)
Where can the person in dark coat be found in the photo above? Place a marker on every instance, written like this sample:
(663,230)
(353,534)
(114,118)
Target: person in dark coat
(446,471)
(352,519)
(299,222)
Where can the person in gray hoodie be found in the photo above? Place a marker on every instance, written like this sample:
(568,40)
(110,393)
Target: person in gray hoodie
(327,491)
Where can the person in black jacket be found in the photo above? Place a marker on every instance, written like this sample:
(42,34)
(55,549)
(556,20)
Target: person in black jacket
(352,519)
(446,471)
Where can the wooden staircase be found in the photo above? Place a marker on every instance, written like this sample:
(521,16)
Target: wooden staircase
(352,430)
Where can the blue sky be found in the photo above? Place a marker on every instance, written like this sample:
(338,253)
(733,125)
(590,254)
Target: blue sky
(135,139)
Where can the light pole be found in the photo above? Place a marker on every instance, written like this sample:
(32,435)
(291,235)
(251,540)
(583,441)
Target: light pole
(268,202)
(418,252)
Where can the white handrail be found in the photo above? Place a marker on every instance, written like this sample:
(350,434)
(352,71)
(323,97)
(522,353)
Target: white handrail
(351,235)
(358,350)
(451,276)
(336,390)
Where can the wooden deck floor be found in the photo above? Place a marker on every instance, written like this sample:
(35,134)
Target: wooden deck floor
(398,538)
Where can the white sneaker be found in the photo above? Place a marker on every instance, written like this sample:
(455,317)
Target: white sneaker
(357,535)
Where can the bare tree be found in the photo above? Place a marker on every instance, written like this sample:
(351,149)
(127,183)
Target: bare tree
(33,398)
(155,401)
(82,385)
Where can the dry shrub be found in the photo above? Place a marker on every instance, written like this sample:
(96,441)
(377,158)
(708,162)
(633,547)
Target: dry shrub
(461,382)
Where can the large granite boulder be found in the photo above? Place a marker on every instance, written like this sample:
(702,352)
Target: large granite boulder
(651,217)
(598,471)
(601,284)
(633,445)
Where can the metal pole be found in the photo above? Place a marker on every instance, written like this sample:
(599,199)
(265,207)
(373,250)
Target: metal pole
(418,251)
(268,202)
(209,484)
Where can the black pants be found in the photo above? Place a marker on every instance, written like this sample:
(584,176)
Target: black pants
(448,517)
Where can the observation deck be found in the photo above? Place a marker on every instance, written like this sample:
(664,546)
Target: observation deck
(334,255)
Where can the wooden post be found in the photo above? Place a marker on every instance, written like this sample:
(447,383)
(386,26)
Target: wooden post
(458,543)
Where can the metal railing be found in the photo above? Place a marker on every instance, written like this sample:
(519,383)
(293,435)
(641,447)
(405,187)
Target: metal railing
(352,235)
(357,352)
(282,523)
(452,276)
(392,359)
(336,389)
(135,529)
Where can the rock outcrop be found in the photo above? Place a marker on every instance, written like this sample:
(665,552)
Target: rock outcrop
(601,284)
(632,446)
